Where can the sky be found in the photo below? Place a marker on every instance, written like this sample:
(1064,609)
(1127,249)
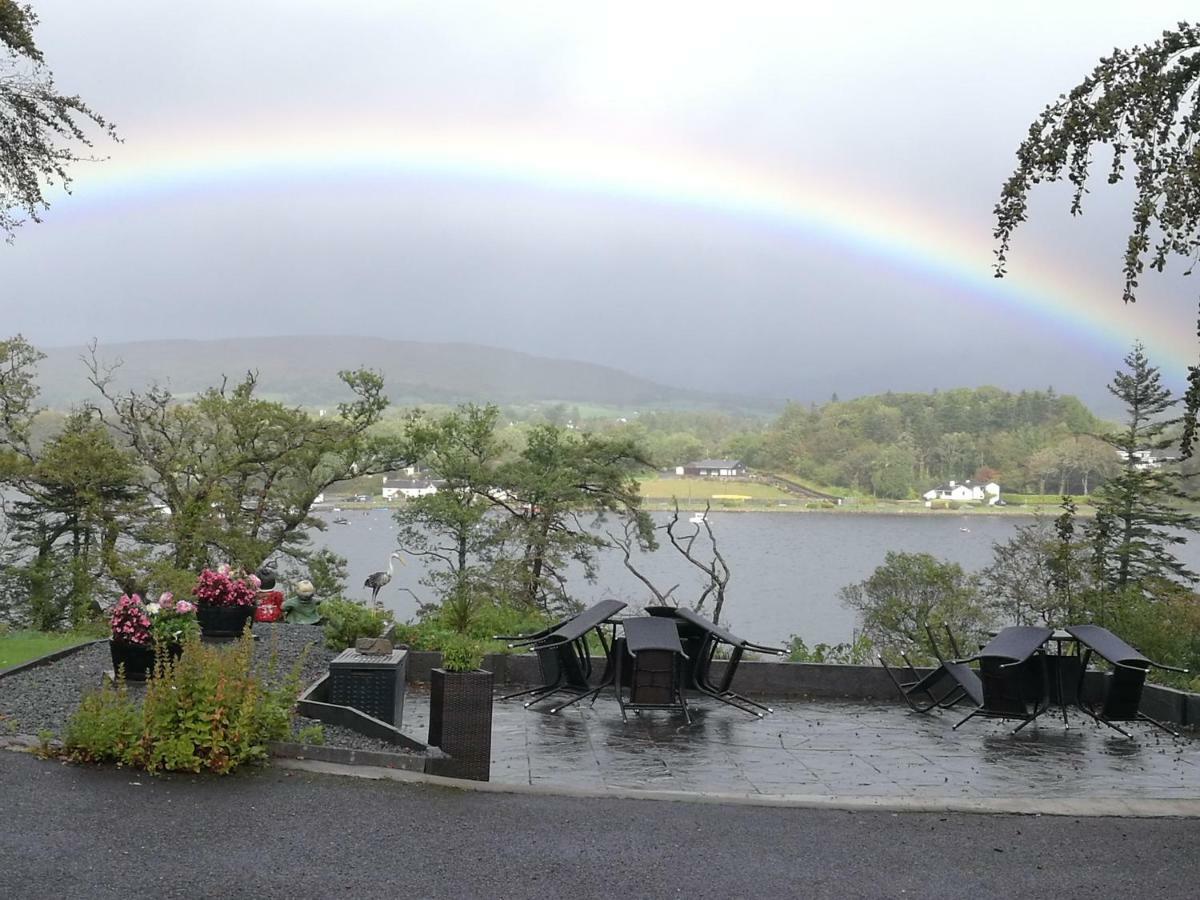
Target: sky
(780,199)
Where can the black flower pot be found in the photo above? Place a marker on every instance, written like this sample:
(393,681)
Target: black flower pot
(137,659)
(460,722)
(223,621)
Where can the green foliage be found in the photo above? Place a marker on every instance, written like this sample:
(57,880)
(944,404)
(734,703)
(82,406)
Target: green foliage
(1139,518)
(860,652)
(347,621)
(327,572)
(898,445)
(208,711)
(44,131)
(434,630)
(311,734)
(912,590)
(461,654)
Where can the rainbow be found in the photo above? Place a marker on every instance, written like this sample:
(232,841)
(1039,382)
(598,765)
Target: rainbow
(951,252)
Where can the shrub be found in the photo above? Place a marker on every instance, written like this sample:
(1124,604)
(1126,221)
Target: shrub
(460,654)
(435,630)
(311,734)
(346,622)
(859,653)
(208,711)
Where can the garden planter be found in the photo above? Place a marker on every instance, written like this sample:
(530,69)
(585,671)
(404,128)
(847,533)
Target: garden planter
(223,621)
(460,722)
(138,659)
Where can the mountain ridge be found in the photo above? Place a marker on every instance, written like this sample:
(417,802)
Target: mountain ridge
(302,370)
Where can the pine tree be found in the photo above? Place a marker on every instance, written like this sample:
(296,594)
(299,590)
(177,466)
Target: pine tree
(1137,509)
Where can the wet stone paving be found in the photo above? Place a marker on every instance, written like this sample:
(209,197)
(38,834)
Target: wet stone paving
(829,747)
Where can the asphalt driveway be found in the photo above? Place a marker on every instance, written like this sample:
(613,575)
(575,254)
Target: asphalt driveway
(71,832)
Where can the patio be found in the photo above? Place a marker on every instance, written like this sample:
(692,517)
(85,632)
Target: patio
(824,747)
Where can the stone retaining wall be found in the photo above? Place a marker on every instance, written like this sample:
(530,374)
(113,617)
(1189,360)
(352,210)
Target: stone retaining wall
(787,680)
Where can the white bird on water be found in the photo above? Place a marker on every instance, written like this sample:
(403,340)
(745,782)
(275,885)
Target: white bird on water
(376,580)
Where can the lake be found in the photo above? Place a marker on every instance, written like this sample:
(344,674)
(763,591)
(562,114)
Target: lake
(787,568)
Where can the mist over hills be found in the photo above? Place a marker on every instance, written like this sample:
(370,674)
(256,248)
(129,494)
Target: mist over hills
(303,370)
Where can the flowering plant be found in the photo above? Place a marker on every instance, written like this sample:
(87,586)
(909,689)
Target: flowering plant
(166,620)
(221,588)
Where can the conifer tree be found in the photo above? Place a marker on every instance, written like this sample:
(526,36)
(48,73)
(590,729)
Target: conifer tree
(1138,510)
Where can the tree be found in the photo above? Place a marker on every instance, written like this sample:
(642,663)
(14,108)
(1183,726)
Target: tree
(42,132)
(450,530)
(1141,103)
(559,479)
(235,476)
(1138,508)
(912,590)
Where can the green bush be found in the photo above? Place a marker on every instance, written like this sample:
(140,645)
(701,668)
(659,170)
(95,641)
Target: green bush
(311,734)
(208,711)
(859,653)
(347,621)
(461,654)
(435,630)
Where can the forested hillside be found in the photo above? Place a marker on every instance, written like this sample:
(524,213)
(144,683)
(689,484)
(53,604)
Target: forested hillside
(899,445)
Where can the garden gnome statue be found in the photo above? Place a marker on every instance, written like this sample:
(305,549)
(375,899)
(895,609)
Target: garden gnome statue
(270,601)
(302,608)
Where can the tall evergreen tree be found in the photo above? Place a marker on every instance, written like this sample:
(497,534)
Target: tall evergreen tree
(1138,508)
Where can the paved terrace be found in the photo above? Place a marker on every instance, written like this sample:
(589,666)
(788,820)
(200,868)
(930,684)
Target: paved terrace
(829,747)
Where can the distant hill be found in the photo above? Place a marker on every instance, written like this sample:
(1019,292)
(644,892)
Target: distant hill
(303,371)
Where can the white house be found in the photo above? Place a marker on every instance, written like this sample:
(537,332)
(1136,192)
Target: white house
(713,468)
(966,492)
(408,488)
(1146,460)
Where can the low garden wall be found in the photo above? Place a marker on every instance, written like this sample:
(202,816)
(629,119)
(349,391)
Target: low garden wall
(798,680)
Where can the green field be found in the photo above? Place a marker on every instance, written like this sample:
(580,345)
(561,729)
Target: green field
(699,489)
(21,646)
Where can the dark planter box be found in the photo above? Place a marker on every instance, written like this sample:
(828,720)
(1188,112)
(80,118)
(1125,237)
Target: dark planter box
(372,684)
(223,621)
(460,722)
(137,659)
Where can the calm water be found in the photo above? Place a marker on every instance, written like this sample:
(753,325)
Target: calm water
(787,568)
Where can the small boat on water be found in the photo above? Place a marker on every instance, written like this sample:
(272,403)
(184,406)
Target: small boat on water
(341,521)
(697,518)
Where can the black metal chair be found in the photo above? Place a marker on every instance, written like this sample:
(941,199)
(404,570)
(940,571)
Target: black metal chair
(702,639)
(656,662)
(1013,677)
(1122,696)
(946,686)
(563,656)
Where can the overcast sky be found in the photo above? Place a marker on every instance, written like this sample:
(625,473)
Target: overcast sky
(907,115)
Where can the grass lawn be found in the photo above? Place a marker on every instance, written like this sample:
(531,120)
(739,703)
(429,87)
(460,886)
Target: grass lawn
(20,646)
(703,489)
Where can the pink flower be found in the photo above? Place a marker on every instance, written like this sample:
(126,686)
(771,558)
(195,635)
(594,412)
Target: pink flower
(166,600)
(184,607)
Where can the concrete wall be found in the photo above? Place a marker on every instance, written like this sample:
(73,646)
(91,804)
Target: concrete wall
(797,680)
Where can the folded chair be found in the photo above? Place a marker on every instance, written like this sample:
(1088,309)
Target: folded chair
(651,661)
(1123,686)
(702,639)
(563,656)
(1013,676)
(949,684)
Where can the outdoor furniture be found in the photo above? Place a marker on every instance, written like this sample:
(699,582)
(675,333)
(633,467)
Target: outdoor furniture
(1013,676)
(655,657)
(947,685)
(701,640)
(563,656)
(1123,685)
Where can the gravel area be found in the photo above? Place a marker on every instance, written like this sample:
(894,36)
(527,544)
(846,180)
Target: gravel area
(337,736)
(43,698)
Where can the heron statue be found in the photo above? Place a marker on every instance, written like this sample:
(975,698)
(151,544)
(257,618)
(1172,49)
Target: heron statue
(376,580)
